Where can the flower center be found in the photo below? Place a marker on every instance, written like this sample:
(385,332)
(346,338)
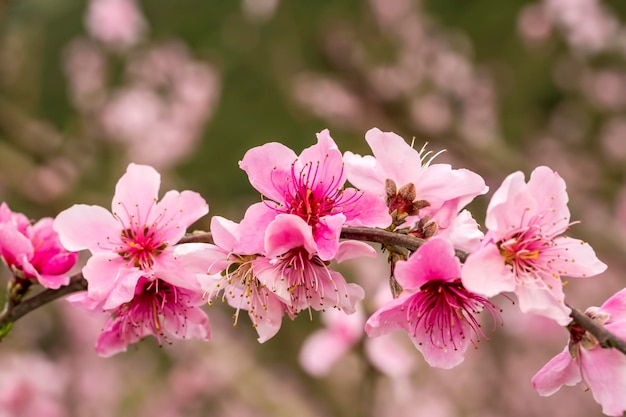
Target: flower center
(314,194)
(154,300)
(140,246)
(443,309)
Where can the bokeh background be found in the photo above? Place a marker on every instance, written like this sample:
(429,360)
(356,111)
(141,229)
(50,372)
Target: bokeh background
(188,86)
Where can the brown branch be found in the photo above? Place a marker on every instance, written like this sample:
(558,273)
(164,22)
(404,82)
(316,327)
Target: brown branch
(605,338)
(17,310)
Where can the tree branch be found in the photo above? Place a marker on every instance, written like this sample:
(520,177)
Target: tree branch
(13,311)
(604,337)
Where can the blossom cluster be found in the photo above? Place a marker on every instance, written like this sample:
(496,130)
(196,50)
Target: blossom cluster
(147,278)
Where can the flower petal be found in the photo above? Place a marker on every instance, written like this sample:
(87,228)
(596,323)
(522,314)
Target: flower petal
(537,297)
(435,259)
(286,232)
(137,188)
(268,167)
(176,212)
(364,173)
(363,208)
(605,372)
(349,249)
(87,227)
(398,160)
(560,370)
(575,258)
(485,272)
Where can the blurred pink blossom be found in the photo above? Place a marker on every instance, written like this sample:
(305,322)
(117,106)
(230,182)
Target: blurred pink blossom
(587,24)
(116,23)
(160,113)
(533,23)
(31,386)
(613,138)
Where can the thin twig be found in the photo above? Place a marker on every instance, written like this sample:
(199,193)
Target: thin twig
(605,338)
(15,311)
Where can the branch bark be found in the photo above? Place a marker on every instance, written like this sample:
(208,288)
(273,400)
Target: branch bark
(605,338)
(14,311)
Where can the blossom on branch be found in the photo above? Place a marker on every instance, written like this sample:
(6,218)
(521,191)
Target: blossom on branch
(311,186)
(411,184)
(159,309)
(133,273)
(224,270)
(133,241)
(524,250)
(435,308)
(602,370)
(34,249)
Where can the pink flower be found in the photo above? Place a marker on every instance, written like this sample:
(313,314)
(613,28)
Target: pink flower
(602,370)
(523,251)
(293,270)
(325,347)
(34,249)
(311,186)
(32,386)
(437,191)
(134,241)
(435,308)
(158,308)
(118,23)
(224,271)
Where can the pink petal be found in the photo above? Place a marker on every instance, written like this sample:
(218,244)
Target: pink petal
(549,190)
(438,350)
(325,159)
(321,351)
(87,227)
(53,281)
(327,235)
(349,249)
(178,211)
(364,209)
(485,272)
(268,324)
(576,259)
(252,229)
(224,232)
(60,263)
(111,341)
(616,306)
(463,233)
(268,168)
(391,316)
(267,274)
(433,260)
(138,187)
(439,183)
(389,356)
(397,159)
(201,258)
(503,212)
(193,323)
(561,370)
(286,232)
(605,372)
(364,173)
(124,289)
(14,244)
(101,272)
(537,297)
